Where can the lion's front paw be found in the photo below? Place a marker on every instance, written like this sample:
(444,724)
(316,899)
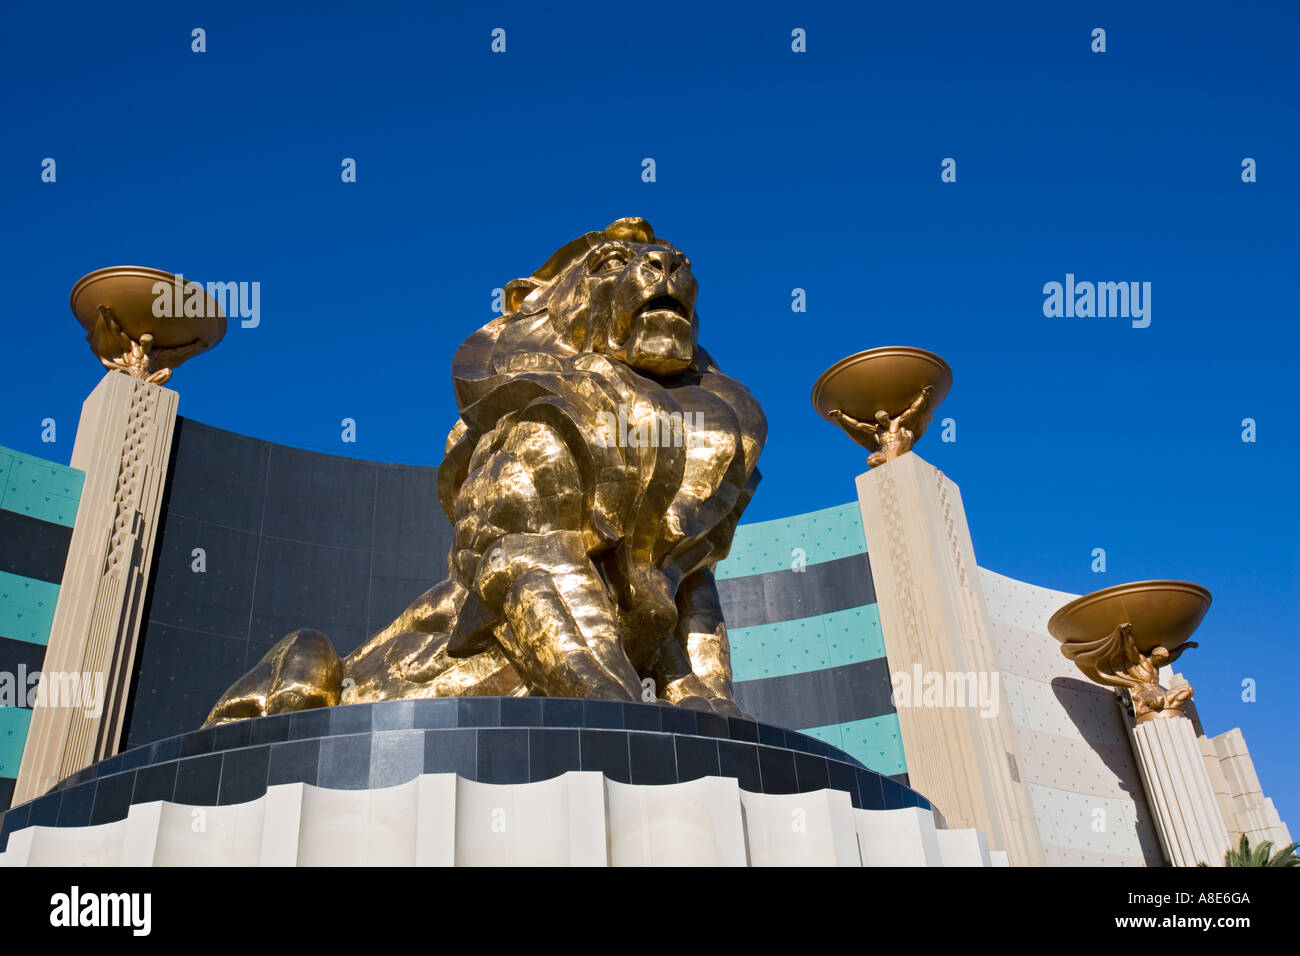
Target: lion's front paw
(695,694)
(301,672)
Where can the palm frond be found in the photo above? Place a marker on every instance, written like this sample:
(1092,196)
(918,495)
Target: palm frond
(1262,855)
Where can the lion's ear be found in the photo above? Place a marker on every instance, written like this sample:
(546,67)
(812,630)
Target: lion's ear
(517,290)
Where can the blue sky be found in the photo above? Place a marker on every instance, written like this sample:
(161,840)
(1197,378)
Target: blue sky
(775,170)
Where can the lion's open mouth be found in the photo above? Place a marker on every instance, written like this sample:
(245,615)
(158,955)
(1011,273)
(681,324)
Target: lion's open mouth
(661,340)
(663,303)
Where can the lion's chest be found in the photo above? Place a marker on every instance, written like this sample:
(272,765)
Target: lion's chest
(692,443)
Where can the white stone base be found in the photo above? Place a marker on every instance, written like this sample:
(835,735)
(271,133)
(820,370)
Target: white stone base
(577,819)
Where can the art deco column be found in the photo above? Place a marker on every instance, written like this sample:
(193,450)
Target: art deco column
(932,611)
(1121,637)
(123,445)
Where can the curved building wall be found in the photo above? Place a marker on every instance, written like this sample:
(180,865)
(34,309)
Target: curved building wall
(288,538)
(1075,754)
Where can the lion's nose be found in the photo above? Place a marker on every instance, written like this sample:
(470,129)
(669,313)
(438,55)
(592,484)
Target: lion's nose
(664,262)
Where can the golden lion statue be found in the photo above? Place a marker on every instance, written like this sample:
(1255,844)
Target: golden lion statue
(595,477)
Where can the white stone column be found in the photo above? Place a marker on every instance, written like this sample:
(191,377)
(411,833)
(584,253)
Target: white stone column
(19,850)
(964,848)
(435,827)
(140,834)
(282,825)
(1180,792)
(801,829)
(698,823)
(123,445)
(905,837)
(934,622)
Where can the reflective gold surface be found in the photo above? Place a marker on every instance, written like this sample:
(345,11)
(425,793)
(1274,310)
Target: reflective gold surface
(598,469)
(883,398)
(117,307)
(1121,636)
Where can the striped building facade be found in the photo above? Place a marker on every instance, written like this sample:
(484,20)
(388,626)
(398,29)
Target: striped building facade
(38,508)
(806,644)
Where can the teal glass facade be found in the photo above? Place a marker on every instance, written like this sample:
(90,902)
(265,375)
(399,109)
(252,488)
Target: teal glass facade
(806,646)
(38,507)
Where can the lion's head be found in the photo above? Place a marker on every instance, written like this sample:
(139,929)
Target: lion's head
(619,292)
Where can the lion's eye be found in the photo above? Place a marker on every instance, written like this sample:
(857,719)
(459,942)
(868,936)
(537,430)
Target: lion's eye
(610,263)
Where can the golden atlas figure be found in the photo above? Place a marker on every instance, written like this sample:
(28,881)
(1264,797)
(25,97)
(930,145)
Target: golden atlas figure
(595,477)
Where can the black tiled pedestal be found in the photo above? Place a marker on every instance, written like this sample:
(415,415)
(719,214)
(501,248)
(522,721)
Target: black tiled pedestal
(487,739)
